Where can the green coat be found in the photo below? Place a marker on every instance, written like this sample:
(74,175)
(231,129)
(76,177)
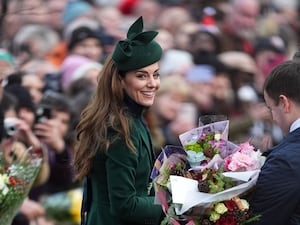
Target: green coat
(120,181)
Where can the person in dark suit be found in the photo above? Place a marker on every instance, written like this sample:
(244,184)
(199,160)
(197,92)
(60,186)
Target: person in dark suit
(114,151)
(277,195)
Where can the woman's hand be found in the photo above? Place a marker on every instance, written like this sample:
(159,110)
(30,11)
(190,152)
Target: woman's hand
(23,132)
(26,134)
(49,133)
(31,209)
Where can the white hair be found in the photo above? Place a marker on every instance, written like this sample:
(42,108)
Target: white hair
(43,36)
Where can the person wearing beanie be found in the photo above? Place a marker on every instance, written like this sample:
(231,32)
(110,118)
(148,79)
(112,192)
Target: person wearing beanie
(114,154)
(268,53)
(76,67)
(75,9)
(86,42)
(7,63)
(69,66)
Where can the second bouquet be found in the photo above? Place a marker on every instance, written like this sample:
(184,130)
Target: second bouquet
(204,180)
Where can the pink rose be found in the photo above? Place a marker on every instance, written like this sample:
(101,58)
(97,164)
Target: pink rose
(242,162)
(246,148)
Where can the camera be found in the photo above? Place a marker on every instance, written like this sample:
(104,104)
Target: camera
(10,127)
(42,113)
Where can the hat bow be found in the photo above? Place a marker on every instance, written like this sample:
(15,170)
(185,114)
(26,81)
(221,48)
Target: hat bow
(135,37)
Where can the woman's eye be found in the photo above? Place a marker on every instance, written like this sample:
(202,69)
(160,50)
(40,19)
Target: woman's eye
(142,76)
(156,75)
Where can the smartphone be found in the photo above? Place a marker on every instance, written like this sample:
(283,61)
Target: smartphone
(42,113)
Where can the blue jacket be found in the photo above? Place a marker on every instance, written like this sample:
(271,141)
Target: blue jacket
(277,194)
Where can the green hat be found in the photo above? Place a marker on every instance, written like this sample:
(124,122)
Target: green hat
(138,49)
(7,57)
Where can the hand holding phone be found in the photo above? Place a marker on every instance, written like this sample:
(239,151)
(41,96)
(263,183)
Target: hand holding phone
(42,113)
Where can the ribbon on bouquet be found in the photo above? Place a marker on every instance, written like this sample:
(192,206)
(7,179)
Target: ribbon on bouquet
(165,208)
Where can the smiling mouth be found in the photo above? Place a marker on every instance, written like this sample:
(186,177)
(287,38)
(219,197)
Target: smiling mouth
(149,94)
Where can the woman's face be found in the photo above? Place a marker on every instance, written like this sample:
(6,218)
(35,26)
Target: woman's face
(142,84)
(90,48)
(27,115)
(63,120)
(35,86)
(167,105)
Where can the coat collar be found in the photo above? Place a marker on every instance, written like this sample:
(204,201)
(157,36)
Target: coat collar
(136,110)
(133,108)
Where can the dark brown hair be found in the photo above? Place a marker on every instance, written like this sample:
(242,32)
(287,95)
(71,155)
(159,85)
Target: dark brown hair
(104,112)
(284,79)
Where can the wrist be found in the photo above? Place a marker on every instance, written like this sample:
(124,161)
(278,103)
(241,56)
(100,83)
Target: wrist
(41,150)
(59,146)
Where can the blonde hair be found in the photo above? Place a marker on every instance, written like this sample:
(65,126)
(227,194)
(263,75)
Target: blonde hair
(104,112)
(175,84)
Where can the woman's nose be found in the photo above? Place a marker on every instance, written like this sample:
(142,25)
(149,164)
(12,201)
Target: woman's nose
(152,82)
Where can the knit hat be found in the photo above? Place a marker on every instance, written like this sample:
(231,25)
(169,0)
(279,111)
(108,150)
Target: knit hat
(273,43)
(7,57)
(80,34)
(175,61)
(69,66)
(84,68)
(200,74)
(75,9)
(138,49)
(127,6)
(208,22)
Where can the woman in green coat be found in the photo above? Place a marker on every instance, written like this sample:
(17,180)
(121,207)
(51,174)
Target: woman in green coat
(114,148)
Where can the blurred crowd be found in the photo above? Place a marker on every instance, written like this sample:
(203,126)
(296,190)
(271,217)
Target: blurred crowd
(217,54)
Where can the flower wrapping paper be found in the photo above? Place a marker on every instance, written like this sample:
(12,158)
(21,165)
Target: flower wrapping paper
(191,135)
(16,180)
(240,163)
(186,195)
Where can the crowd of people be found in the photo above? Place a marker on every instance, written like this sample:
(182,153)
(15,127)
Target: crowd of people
(215,58)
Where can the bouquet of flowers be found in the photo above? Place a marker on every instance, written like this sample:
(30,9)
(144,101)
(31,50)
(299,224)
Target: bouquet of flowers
(206,143)
(207,189)
(16,180)
(64,207)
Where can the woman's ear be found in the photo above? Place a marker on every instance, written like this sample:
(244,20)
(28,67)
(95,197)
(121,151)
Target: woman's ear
(121,79)
(286,103)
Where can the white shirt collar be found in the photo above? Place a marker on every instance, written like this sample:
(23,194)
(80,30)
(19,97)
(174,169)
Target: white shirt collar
(295,125)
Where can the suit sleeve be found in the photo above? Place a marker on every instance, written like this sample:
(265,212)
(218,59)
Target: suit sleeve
(277,192)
